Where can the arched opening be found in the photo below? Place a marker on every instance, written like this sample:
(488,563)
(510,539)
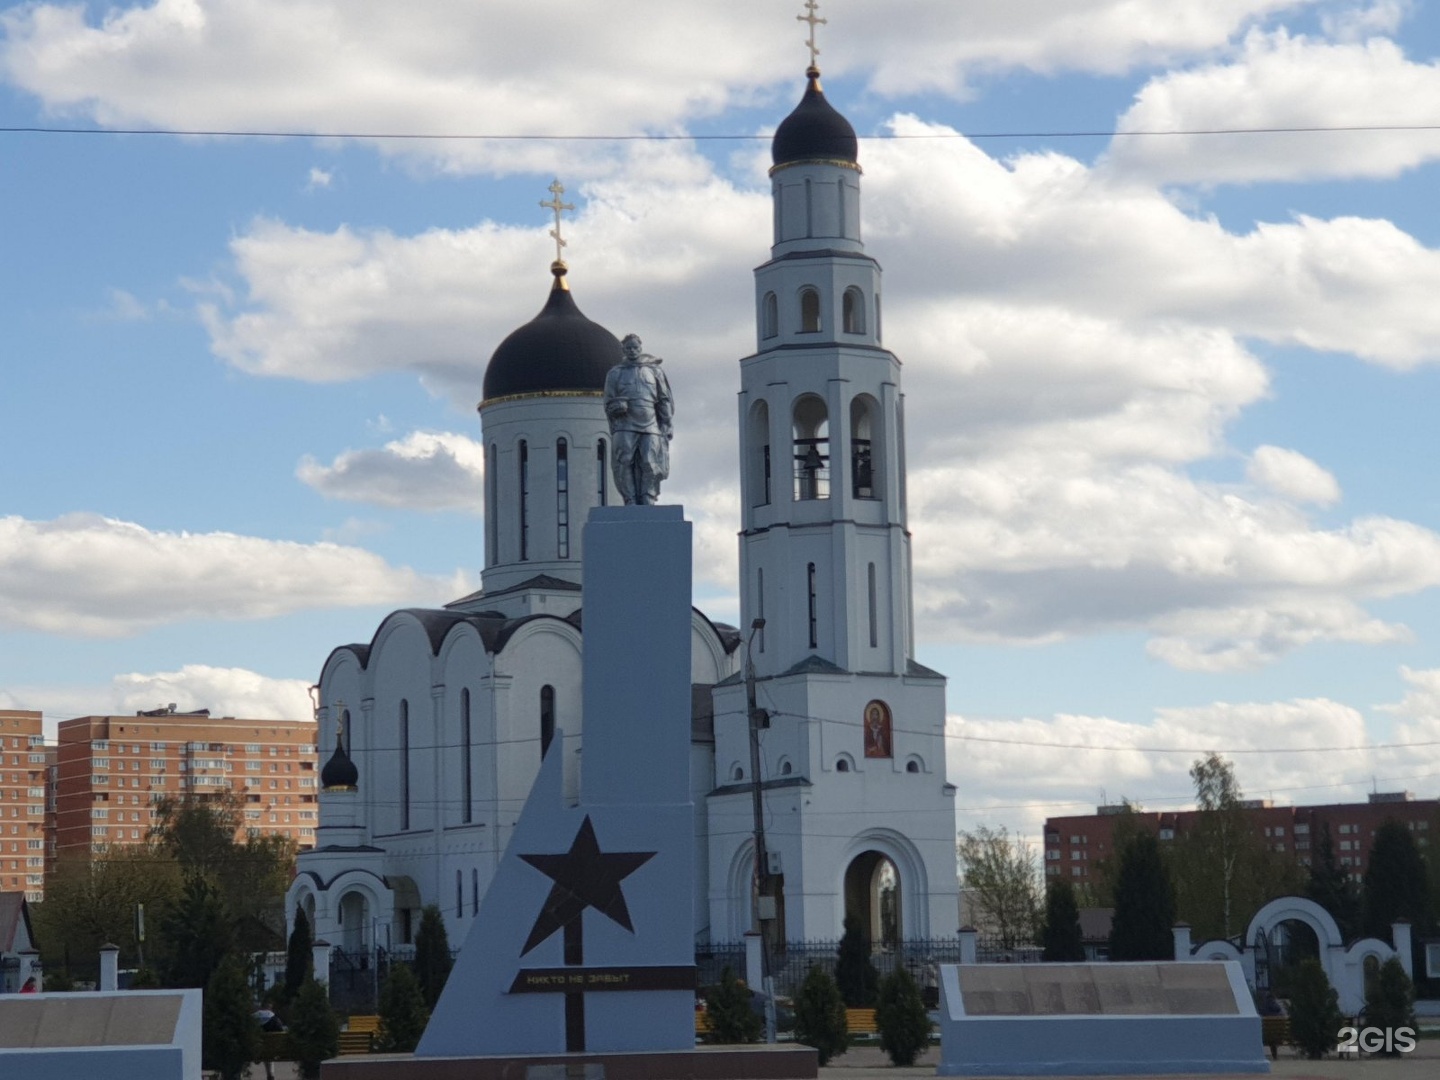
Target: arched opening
(466,785)
(404,764)
(812,448)
(864,427)
(872,898)
(524,455)
(769,316)
(737,772)
(1283,949)
(354,916)
(758,439)
(852,311)
(492,503)
(913,765)
(809,311)
(547,718)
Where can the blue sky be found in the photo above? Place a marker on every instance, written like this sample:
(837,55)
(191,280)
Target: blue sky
(1171,398)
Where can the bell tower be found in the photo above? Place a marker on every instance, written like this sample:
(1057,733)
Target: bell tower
(856,813)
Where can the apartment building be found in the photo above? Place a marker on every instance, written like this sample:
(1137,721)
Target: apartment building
(1074,844)
(110,771)
(22,804)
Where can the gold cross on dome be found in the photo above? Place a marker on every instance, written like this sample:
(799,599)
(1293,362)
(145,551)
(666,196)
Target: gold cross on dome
(814,20)
(557,189)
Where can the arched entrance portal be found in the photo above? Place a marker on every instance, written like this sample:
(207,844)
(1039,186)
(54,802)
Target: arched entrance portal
(354,921)
(1280,952)
(872,897)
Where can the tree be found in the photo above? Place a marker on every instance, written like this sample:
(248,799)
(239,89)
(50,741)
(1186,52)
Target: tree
(1222,870)
(230,1035)
(432,955)
(1330,886)
(1315,1017)
(901,1019)
(1098,889)
(1004,883)
(732,1020)
(1396,884)
(820,1015)
(197,932)
(403,1014)
(1390,999)
(314,1028)
(300,955)
(1144,904)
(854,973)
(1060,935)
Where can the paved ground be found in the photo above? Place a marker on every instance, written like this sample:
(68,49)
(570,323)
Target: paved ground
(868,1063)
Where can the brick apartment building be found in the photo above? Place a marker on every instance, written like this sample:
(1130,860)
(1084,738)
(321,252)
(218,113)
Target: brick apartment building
(1074,844)
(111,770)
(22,804)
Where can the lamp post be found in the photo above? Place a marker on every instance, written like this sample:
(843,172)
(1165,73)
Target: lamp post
(765,906)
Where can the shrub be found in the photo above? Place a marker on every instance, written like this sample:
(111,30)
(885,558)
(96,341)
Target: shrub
(1314,1010)
(314,1028)
(820,1015)
(403,1015)
(901,1019)
(854,973)
(732,1020)
(1390,999)
(299,954)
(432,955)
(231,1037)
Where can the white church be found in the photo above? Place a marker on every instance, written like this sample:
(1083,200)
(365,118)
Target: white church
(438,724)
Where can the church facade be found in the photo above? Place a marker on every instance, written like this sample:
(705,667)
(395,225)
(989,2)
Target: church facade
(437,726)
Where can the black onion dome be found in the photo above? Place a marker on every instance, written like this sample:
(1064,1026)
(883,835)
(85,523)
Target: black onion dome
(814,131)
(558,350)
(339,772)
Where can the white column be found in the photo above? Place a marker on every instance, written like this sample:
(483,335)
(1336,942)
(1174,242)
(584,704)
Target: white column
(968,953)
(109,967)
(30,965)
(1400,937)
(320,957)
(1182,940)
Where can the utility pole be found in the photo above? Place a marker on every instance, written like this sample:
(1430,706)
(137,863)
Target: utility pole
(765,903)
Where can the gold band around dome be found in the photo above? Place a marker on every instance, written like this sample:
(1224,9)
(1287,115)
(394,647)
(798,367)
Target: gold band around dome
(538,394)
(816,161)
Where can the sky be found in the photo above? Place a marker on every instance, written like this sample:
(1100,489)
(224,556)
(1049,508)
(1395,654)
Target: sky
(1172,394)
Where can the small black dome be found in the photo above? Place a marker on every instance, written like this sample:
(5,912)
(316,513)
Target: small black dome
(339,772)
(814,131)
(559,349)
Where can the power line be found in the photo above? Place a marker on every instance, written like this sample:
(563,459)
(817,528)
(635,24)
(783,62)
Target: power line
(1098,133)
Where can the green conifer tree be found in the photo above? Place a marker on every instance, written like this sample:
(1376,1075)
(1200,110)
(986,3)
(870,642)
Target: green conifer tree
(1390,1000)
(901,1019)
(231,1037)
(1315,1017)
(403,1015)
(314,1028)
(1144,904)
(732,1020)
(299,955)
(432,955)
(1060,934)
(820,1015)
(854,973)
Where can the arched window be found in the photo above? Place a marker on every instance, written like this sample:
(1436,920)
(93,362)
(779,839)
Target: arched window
(459,894)
(547,718)
(524,501)
(864,447)
(877,316)
(913,765)
(877,724)
(812,448)
(474,891)
(759,440)
(465,738)
(853,311)
(404,765)
(562,499)
(809,311)
(602,473)
(814,615)
(769,316)
(492,505)
(842,764)
(737,772)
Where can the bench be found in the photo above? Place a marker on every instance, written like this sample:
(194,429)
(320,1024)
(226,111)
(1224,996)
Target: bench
(1275,1033)
(359,1035)
(860,1022)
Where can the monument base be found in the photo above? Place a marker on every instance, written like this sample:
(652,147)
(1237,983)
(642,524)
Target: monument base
(702,1063)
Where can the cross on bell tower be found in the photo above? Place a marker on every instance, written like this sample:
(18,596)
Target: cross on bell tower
(557,189)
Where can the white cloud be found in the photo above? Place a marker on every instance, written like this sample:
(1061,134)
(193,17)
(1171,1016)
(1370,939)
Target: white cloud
(318,179)
(1422,700)
(423,471)
(224,691)
(1362,22)
(1292,475)
(1281,80)
(497,68)
(89,576)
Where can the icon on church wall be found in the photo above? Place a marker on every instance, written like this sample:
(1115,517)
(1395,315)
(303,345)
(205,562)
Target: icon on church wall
(877,730)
